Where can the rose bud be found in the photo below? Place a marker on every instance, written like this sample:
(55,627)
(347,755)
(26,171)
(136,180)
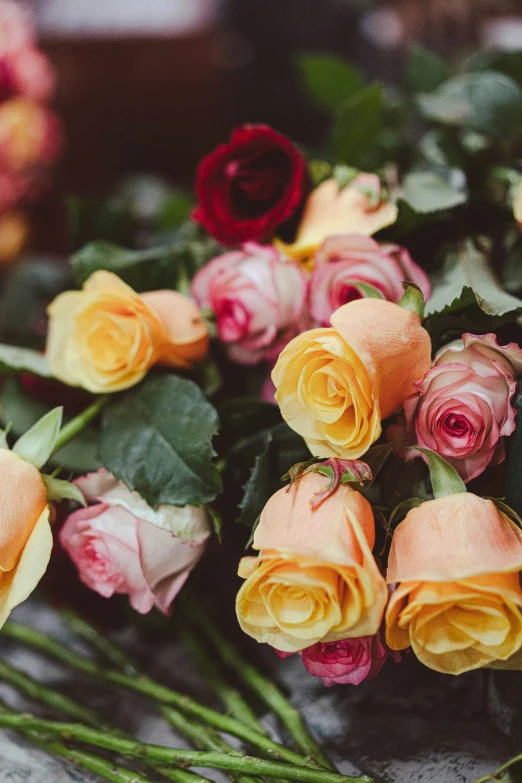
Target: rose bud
(106,337)
(315,578)
(121,545)
(356,209)
(455,562)
(345,260)
(25,533)
(258,299)
(348,662)
(334,386)
(248,187)
(462,410)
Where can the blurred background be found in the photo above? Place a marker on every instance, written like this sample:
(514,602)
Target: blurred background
(152,86)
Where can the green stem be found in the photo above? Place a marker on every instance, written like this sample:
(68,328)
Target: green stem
(158,693)
(234,762)
(76,425)
(61,703)
(230,697)
(500,771)
(105,769)
(267,690)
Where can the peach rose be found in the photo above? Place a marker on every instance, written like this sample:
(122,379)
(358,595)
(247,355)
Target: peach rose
(106,337)
(25,534)
(455,562)
(315,578)
(13,235)
(334,386)
(345,260)
(358,208)
(29,134)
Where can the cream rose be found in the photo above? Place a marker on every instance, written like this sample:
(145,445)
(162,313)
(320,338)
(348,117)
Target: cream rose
(315,578)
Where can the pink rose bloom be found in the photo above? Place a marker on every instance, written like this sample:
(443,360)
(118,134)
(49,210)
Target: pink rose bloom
(344,260)
(258,298)
(463,410)
(348,662)
(27,72)
(16,26)
(122,545)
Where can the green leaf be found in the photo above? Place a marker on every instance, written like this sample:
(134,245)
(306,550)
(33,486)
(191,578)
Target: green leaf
(319,171)
(424,70)
(328,80)
(412,299)
(278,449)
(444,478)
(426,192)
(37,444)
(14,359)
(143,270)
(358,124)
(57,490)
(486,102)
(157,439)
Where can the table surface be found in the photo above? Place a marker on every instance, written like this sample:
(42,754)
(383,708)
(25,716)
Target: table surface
(407,726)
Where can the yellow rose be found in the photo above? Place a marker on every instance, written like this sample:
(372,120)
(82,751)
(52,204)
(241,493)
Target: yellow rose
(335,385)
(25,534)
(315,578)
(458,601)
(13,234)
(106,337)
(329,210)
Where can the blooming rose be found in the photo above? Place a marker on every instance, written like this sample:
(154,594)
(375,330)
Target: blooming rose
(25,534)
(347,662)
(335,385)
(315,578)
(345,260)
(357,208)
(106,337)
(16,26)
(462,409)
(26,72)
(456,562)
(248,187)
(258,299)
(13,234)
(121,545)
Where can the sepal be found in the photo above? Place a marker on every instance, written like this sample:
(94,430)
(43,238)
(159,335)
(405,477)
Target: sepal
(412,299)
(57,490)
(37,444)
(444,478)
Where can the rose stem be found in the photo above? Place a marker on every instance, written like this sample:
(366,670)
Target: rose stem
(496,775)
(158,693)
(105,769)
(78,423)
(62,703)
(235,762)
(267,690)
(201,737)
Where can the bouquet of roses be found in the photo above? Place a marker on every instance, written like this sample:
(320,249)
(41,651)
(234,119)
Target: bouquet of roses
(347,321)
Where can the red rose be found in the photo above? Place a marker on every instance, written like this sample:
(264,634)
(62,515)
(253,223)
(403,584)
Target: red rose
(248,187)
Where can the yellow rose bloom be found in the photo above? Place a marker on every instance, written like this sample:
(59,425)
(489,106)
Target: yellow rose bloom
(335,385)
(106,337)
(315,578)
(458,602)
(25,534)
(329,210)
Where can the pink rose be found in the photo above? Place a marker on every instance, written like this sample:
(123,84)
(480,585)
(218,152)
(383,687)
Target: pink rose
(344,260)
(348,662)
(121,545)
(462,410)
(258,298)
(26,72)
(16,26)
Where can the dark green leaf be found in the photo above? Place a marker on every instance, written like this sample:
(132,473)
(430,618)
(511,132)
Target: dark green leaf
(157,439)
(424,70)
(143,270)
(486,102)
(358,124)
(427,192)
(175,210)
(246,416)
(328,80)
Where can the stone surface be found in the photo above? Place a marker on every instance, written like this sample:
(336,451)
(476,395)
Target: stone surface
(409,725)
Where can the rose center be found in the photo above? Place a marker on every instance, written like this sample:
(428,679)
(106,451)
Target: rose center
(257,185)
(233,320)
